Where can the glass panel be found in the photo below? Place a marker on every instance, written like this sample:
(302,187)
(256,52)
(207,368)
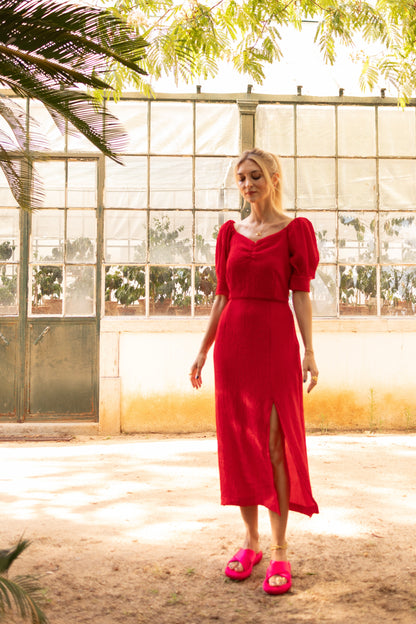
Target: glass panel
(79,291)
(124,290)
(8,289)
(6,196)
(171,129)
(288,183)
(52,174)
(316,183)
(215,185)
(133,116)
(77,142)
(398,291)
(125,236)
(357,237)
(81,232)
(205,285)
(54,138)
(170,237)
(357,290)
(9,235)
(324,224)
(398,237)
(357,184)
(170,291)
(126,185)
(396,131)
(397,184)
(82,184)
(171,182)
(207,225)
(324,291)
(48,227)
(356,131)
(275,129)
(315,130)
(47,290)
(217,129)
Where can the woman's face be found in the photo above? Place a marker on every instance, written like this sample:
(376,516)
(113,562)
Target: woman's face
(251,182)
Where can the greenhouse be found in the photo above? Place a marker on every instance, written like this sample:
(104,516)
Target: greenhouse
(105,290)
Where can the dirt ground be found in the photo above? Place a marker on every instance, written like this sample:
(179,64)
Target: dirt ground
(129,530)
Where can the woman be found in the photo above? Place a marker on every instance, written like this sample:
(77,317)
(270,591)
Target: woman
(258,373)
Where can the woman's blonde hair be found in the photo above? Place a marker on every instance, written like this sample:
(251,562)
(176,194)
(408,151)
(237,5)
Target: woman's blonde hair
(269,165)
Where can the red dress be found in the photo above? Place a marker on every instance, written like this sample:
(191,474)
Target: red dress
(257,363)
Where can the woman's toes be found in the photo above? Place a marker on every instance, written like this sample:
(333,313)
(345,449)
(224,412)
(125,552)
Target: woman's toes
(277,581)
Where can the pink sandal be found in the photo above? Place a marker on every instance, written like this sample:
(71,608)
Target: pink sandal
(278,568)
(248,558)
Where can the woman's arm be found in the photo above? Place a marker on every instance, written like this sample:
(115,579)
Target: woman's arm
(303,310)
(217,309)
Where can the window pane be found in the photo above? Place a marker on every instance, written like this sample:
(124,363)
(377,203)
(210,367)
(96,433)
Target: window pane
(205,285)
(81,236)
(357,290)
(398,237)
(52,174)
(324,224)
(133,116)
(170,237)
(357,184)
(55,139)
(126,185)
(6,196)
(48,232)
(207,225)
(125,290)
(397,184)
(316,183)
(357,237)
(288,183)
(8,289)
(171,182)
(217,129)
(356,131)
(215,185)
(315,130)
(47,290)
(9,235)
(170,291)
(124,236)
(398,291)
(275,129)
(82,184)
(171,128)
(79,291)
(396,131)
(324,291)
(77,142)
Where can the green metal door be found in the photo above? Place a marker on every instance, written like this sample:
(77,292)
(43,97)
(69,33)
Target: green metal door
(8,369)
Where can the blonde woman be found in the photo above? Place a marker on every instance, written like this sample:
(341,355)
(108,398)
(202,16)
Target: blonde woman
(258,370)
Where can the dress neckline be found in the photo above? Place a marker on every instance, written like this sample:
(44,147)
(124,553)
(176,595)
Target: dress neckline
(264,237)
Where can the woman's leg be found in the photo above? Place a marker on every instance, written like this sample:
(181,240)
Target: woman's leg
(279,522)
(250,519)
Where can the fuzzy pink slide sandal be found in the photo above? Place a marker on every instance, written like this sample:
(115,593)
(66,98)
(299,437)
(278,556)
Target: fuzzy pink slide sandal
(248,558)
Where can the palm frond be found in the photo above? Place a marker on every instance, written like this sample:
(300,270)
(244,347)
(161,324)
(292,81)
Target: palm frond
(8,556)
(22,594)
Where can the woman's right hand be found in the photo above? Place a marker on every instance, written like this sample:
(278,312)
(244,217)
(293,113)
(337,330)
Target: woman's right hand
(196,368)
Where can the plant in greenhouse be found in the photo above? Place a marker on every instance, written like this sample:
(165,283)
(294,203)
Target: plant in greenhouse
(21,594)
(126,284)
(189,39)
(51,51)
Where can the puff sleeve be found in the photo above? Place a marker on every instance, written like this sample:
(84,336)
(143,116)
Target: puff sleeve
(303,254)
(221,256)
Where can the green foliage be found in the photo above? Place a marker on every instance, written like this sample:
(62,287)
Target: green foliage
(190,39)
(21,594)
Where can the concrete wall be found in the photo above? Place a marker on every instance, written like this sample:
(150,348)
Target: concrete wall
(367,369)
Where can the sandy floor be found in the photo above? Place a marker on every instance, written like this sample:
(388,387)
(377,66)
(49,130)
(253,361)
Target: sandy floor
(129,530)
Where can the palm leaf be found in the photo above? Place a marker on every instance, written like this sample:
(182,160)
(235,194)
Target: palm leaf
(21,594)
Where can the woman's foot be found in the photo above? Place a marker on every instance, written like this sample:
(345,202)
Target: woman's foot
(252,543)
(279,553)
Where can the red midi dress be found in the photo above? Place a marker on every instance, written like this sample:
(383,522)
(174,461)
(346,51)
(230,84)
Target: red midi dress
(257,363)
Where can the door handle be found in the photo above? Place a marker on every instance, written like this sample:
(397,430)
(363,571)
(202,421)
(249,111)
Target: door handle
(4,339)
(42,335)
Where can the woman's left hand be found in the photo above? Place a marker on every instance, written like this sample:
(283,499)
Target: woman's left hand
(309,366)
